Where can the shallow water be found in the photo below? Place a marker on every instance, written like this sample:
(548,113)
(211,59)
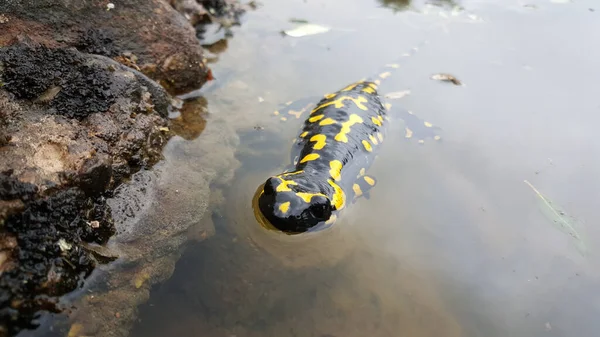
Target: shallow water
(452,242)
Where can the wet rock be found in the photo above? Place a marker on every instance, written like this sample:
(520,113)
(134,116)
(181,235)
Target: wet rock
(61,157)
(162,41)
(156,214)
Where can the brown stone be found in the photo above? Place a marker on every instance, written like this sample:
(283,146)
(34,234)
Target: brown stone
(161,39)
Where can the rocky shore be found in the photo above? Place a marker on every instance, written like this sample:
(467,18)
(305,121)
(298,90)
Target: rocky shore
(86,90)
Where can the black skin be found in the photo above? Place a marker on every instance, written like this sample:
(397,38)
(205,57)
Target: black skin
(314,176)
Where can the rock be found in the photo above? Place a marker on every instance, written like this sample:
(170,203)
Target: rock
(84,101)
(155,215)
(60,158)
(152,33)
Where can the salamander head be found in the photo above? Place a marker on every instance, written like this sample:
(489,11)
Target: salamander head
(293,205)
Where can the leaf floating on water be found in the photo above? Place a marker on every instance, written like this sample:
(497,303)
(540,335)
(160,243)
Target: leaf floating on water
(296,20)
(306,30)
(397,94)
(446,78)
(560,219)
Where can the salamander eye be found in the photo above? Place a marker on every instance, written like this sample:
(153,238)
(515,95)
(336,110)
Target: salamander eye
(269,187)
(321,210)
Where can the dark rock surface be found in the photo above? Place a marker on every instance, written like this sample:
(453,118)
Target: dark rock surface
(74,127)
(150,34)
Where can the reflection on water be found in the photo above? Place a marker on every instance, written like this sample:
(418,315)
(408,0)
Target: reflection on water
(191,120)
(452,241)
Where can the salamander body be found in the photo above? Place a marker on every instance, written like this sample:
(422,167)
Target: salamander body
(337,144)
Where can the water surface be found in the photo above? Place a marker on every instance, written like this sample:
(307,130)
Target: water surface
(452,242)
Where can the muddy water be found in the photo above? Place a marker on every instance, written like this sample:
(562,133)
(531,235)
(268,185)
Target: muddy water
(452,241)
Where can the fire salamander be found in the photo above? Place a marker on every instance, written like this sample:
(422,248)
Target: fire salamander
(334,149)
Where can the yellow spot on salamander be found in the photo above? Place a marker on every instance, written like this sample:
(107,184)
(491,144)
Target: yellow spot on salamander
(409,133)
(309,157)
(351,86)
(339,103)
(315,118)
(284,207)
(285,174)
(335,169)
(370,181)
(373,139)
(362,172)
(331,219)
(367,145)
(283,187)
(328,96)
(308,196)
(320,141)
(380,117)
(276,113)
(342,135)
(376,121)
(327,121)
(385,74)
(388,106)
(303,134)
(339,197)
(368,90)
(427,124)
(380,137)
(357,191)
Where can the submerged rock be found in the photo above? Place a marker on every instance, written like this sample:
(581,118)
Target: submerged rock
(74,127)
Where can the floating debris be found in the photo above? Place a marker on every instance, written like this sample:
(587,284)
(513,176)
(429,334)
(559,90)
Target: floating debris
(560,219)
(397,94)
(101,253)
(110,6)
(446,78)
(561,1)
(75,330)
(260,99)
(296,20)
(306,30)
